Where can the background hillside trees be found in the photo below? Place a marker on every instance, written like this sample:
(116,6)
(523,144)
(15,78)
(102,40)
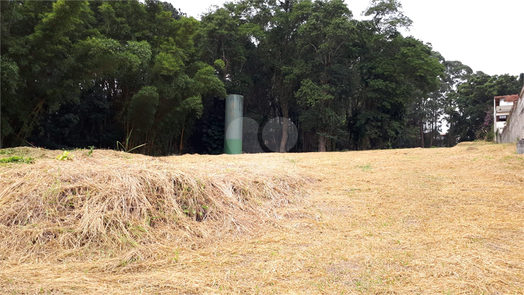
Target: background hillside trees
(94,73)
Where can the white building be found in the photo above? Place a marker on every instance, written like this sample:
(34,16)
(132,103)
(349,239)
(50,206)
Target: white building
(501,109)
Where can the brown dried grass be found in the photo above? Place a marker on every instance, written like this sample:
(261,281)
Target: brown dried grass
(127,205)
(415,221)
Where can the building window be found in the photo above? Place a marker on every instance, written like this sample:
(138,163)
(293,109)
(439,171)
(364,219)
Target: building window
(502,118)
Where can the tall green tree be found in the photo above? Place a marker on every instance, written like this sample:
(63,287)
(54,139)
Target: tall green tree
(43,56)
(396,73)
(456,73)
(325,56)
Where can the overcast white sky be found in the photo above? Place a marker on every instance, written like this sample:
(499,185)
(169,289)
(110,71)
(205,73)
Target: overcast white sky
(488,36)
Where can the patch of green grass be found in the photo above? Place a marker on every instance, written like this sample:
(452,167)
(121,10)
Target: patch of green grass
(176,257)
(7,152)
(365,167)
(352,191)
(17,159)
(511,159)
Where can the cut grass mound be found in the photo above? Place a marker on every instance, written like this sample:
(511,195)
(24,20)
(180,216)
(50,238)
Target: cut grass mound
(117,203)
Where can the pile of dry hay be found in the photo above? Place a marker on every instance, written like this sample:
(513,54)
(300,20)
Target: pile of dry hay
(114,202)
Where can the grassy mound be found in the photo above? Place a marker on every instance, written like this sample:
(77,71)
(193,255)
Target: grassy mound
(113,203)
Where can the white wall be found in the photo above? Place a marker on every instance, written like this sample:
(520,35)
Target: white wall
(514,129)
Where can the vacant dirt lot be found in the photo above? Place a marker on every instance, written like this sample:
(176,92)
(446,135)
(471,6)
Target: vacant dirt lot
(414,221)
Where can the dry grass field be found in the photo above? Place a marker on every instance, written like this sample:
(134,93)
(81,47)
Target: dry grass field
(413,221)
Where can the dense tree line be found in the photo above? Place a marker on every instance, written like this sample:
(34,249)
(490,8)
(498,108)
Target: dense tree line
(78,73)
(123,74)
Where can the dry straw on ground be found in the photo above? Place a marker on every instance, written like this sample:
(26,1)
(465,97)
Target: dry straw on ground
(415,221)
(56,210)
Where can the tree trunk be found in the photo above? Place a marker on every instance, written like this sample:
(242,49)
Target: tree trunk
(182,138)
(321,143)
(285,127)
(422,135)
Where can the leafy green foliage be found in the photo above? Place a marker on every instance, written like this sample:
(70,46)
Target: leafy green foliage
(66,155)
(96,70)
(126,146)
(387,16)
(81,74)
(17,159)
(142,108)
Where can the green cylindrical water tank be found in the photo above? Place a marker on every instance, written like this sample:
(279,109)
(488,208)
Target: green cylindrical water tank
(233,124)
